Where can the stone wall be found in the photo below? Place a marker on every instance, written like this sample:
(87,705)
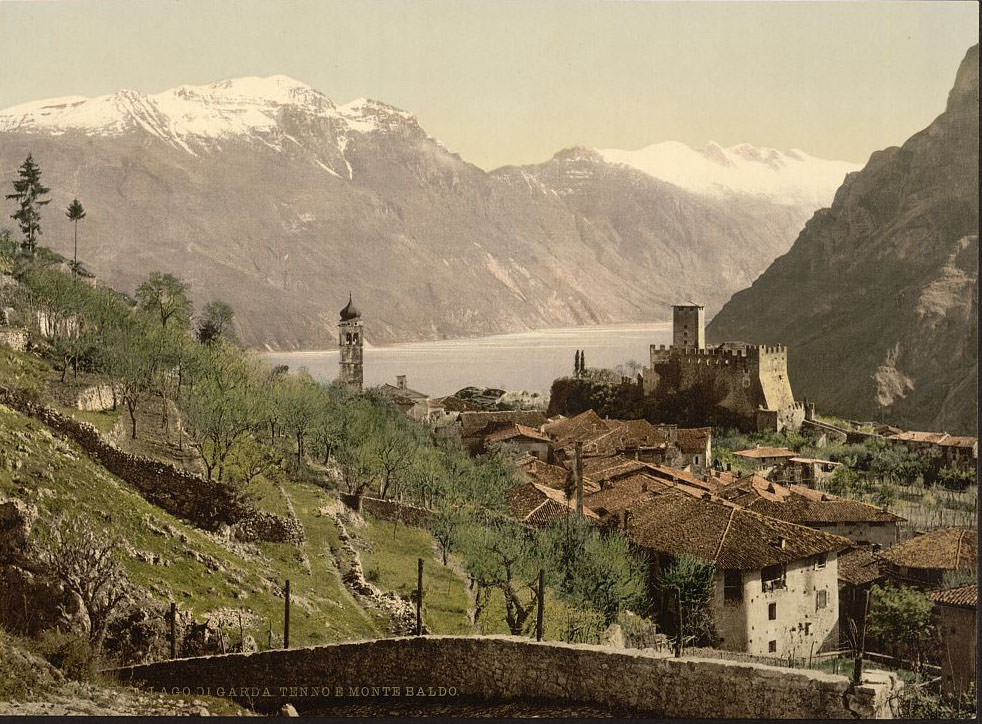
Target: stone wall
(96,398)
(504,668)
(13,337)
(205,503)
(390,510)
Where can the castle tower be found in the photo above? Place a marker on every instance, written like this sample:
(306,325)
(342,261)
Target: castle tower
(350,340)
(689,326)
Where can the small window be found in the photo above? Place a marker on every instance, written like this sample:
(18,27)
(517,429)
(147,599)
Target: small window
(771,611)
(821,560)
(732,585)
(772,577)
(821,599)
(772,647)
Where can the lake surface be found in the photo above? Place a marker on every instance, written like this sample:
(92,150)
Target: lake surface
(521,361)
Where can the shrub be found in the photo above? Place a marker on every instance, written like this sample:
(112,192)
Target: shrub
(72,653)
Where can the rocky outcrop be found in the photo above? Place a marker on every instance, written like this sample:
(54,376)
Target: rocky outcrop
(877,300)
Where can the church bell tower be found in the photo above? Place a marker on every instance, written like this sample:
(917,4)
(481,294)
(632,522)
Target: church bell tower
(350,340)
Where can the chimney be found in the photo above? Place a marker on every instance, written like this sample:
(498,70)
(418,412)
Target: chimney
(578,476)
(401,381)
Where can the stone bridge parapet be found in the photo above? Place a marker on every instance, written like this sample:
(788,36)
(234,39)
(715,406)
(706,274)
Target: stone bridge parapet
(506,668)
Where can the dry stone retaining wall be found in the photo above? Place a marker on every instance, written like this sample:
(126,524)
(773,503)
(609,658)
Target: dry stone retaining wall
(390,510)
(504,668)
(205,503)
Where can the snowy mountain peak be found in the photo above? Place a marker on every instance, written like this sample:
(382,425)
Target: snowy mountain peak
(194,115)
(787,177)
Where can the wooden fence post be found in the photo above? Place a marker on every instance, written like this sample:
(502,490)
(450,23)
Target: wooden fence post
(540,604)
(286,615)
(419,597)
(173,630)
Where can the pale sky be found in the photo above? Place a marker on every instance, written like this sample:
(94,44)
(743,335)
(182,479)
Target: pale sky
(514,81)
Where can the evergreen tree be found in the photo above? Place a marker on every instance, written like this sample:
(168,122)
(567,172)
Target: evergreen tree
(28,192)
(75,213)
(576,363)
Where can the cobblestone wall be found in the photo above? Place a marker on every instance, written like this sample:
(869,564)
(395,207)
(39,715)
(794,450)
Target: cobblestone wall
(503,668)
(205,503)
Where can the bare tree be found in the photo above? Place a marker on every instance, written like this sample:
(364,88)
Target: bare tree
(85,562)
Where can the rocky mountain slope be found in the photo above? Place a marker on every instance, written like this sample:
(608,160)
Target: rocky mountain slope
(878,297)
(265,193)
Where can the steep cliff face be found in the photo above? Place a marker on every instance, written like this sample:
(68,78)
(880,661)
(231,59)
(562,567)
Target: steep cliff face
(877,299)
(265,193)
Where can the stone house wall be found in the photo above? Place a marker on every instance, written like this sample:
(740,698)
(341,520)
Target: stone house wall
(799,625)
(958,651)
(205,503)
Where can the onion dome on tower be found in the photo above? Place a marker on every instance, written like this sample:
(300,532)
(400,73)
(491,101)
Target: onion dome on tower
(349,312)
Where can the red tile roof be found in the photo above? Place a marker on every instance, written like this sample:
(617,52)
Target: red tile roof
(478,423)
(578,427)
(949,549)
(963,596)
(552,476)
(536,504)
(693,440)
(858,567)
(766,452)
(514,431)
(798,504)
(732,537)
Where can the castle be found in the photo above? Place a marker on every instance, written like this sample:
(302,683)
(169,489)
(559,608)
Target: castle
(351,341)
(745,384)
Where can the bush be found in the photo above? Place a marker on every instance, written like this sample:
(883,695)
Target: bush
(71,653)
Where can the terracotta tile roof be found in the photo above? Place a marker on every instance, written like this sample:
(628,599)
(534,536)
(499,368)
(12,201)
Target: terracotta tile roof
(517,430)
(393,392)
(627,491)
(536,504)
(943,549)
(603,470)
(963,596)
(798,504)
(622,435)
(936,438)
(578,427)
(815,461)
(693,440)
(476,423)
(730,536)
(858,567)
(766,452)
(552,476)
(674,475)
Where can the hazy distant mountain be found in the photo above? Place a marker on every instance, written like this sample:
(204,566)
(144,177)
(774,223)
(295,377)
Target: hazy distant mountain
(878,297)
(265,193)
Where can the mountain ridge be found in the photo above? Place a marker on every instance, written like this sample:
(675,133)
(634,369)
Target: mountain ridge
(281,205)
(877,299)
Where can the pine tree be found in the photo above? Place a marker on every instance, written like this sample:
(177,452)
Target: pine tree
(28,192)
(75,213)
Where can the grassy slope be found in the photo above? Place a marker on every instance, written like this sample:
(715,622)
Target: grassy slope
(57,477)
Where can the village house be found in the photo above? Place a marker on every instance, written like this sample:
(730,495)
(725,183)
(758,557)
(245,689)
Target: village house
(952,450)
(862,523)
(402,396)
(776,583)
(476,426)
(923,562)
(695,444)
(764,457)
(523,439)
(956,613)
(808,472)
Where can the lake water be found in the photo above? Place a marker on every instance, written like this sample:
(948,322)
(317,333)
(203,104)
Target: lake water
(521,361)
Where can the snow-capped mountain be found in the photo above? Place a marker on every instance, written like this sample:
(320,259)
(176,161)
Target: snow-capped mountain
(784,177)
(266,193)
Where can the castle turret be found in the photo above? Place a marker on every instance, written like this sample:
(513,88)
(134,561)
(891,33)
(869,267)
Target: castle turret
(350,341)
(689,326)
